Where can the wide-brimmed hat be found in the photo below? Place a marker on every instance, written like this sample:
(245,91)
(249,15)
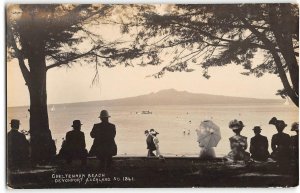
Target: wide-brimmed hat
(235,123)
(76,123)
(295,126)
(15,122)
(256,128)
(153,131)
(103,114)
(273,121)
(276,122)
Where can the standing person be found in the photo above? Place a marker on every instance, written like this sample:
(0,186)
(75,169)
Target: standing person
(280,141)
(75,144)
(156,141)
(104,146)
(147,134)
(259,146)
(238,143)
(17,146)
(150,144)
(295,142)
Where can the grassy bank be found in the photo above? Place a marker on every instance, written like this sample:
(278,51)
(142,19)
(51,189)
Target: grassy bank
(153,172)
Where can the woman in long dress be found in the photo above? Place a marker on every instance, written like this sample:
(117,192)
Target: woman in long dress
(238,143)
(156,141)
(206,152)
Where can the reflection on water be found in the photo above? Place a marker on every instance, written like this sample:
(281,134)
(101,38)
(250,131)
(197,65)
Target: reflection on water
(169,121)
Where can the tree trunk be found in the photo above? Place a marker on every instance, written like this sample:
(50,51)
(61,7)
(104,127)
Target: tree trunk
(42,145)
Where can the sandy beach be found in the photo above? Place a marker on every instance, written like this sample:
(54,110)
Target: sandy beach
(143,172)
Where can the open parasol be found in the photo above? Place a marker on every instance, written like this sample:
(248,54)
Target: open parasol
(209,134)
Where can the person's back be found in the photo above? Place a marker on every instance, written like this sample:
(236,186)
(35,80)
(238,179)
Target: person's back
(280,141)
(280,145)
(75,140)
(259,148)
(17,146)
(74,147)
(104,139)
(238,143)
(104,145)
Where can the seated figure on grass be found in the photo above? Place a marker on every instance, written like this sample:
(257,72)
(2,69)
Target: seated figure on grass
(238,143)
(17,146)
(259,146)
(280,141)
(294,146)
(74,145)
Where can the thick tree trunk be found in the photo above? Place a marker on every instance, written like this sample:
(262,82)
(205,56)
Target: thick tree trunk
(42,145)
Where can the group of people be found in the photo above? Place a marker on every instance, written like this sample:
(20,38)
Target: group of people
(284,147)
(104,147)
(73,147)
(152,143)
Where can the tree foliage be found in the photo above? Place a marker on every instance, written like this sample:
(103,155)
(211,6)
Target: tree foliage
(262,38)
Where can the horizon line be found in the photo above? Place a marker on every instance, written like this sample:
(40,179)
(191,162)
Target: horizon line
(153,92)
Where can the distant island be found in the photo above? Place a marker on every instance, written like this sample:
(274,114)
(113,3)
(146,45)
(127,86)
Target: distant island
(174,97)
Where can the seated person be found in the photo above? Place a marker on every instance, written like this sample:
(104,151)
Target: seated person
(280,141)
(294,146)
(238,143)
(75,144)
(259,146)
(17,146)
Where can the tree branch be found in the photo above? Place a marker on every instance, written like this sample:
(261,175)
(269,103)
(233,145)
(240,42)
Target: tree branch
(24,69)
(277,60)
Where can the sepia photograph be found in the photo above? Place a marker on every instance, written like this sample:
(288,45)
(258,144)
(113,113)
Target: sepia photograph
(152,95)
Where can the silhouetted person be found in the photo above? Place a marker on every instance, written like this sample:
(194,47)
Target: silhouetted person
(280,141)
(75,144)
(147,134)
(156,142)
(17,146)
(259,146)
(294,146)
(104,146)
(150,144)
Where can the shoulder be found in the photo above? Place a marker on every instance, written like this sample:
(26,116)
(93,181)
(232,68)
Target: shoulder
(112,125)
(69,133)
(275,136)
(286,135)
(243,137)
(97,125)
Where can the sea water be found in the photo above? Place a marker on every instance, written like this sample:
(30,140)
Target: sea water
(169,121)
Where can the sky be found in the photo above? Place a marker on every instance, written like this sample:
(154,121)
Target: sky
(68,85)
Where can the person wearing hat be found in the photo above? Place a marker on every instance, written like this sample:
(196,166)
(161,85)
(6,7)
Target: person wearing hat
(104,145)
(294,146)
(259,146)
(75,147)
(238,143)
(156,141)
(280,141)
(150,143)
(17,146)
